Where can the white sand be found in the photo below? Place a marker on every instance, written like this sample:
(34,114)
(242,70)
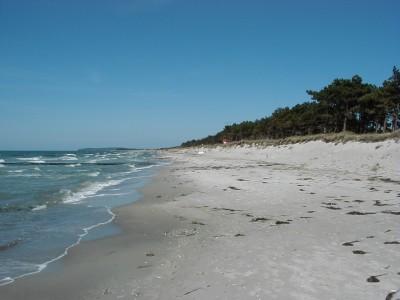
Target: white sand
(312,187)
(249,223)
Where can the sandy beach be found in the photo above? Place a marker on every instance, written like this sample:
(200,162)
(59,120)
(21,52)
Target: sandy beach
(304,221)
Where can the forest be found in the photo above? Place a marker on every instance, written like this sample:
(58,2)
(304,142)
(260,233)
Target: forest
(343,105)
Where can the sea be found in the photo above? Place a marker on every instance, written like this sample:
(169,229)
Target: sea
(51,201)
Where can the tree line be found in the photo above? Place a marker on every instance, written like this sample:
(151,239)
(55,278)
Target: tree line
(343,105)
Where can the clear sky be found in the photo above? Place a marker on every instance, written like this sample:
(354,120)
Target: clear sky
(156,73)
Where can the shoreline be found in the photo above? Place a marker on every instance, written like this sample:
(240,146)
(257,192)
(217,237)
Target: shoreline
(86,273)
(304,221)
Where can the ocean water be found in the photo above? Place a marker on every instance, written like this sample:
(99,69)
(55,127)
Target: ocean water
(51,201)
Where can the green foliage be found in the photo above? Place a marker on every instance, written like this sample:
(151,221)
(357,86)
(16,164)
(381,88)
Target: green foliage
(391,87)
(341,98)
(345,105)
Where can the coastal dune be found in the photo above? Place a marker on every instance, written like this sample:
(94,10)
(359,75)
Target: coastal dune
(312,220)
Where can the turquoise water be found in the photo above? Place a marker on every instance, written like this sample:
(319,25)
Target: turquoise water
(51,201)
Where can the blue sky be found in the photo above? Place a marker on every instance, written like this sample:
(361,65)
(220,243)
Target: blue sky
(156,73)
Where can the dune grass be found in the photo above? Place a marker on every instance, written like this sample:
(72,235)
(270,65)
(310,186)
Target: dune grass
(341,137)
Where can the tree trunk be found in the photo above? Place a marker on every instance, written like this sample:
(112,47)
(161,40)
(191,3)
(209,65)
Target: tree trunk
(344,124)
(384,124)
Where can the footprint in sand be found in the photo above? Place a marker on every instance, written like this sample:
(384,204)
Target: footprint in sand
(358,213)
(332,207)
(350,243)
(390,295)
(379,203)
(397,213)
(197,223)
(374,278)
(359,201)
(282,222)
(260,219)
(232,188)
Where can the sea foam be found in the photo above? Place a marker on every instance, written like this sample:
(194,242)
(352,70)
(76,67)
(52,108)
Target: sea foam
(36,159)
(39,207)
(40,188)
(89,191)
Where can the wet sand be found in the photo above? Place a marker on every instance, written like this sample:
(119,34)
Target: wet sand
(104,268)
(304,221)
